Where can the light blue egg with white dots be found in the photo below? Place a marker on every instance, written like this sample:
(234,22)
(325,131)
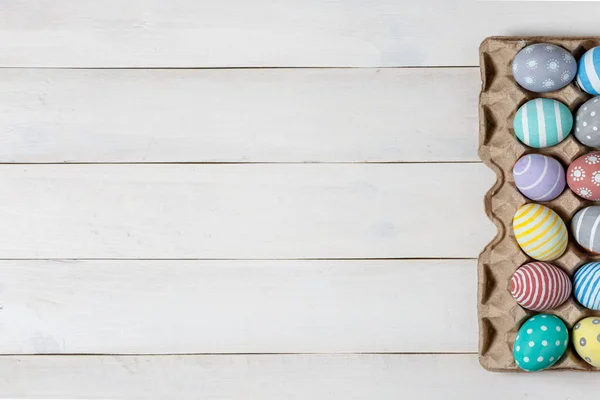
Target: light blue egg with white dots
(540,343)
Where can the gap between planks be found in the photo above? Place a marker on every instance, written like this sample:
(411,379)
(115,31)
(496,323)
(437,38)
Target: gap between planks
(307,353)
(236,33)
(246,259)
(242,68)
(240,162)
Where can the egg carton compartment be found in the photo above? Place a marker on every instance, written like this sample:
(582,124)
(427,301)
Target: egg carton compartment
(499,315)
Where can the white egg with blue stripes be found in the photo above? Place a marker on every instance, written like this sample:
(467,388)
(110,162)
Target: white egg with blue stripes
(588,71)
(542,123)
(587,285)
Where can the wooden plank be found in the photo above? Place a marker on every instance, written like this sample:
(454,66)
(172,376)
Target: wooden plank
(254,211)
(280,115)
(320,377)
(168,307)
(238,33)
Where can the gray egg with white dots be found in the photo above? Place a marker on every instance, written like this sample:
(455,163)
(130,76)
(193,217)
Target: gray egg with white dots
(544,67)
(587,123)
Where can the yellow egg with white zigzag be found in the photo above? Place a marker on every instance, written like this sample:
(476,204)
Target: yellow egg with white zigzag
(540,232)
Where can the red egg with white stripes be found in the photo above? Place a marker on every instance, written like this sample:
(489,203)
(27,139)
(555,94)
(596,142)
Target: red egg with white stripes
(540,286)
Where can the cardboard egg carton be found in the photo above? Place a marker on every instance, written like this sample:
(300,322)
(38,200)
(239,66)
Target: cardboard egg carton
(499,315)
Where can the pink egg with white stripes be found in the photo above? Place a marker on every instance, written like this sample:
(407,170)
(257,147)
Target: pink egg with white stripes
(539,177)
(540,286)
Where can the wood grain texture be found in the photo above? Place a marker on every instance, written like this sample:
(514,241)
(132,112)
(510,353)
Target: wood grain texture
(275,377)
(277,115)
(170,307)
(253,211)
(261,33)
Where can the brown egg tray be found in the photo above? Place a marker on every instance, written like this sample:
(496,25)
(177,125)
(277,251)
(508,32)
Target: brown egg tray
(499,315)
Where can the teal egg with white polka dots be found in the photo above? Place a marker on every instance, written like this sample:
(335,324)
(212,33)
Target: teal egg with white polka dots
(540,343)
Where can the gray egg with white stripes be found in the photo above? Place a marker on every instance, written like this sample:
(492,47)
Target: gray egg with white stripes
(544,67)
(587,123)
(585,226)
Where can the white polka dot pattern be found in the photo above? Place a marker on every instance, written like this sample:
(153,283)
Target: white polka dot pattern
(587,122)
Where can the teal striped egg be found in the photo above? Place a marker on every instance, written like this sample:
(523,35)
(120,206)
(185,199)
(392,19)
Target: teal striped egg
(543,123)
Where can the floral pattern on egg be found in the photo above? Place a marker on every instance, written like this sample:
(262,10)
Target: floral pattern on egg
(583,176)
(544,67)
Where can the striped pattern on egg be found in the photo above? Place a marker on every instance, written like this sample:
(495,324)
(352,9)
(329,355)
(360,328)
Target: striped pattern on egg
(539,177)
(539,286)
(587,285)
(542,123)
(588,71)
(540,232)
(585,227)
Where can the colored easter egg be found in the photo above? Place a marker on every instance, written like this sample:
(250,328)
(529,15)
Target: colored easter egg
(583,176)
(540,232)
(586,340)
(539,286)
(587,123)
(586,285)
(538,177)
(540,342)
(588,71)
(544,67)
(586,229)
(542,123)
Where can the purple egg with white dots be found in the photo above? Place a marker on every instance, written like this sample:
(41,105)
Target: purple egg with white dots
(539,177)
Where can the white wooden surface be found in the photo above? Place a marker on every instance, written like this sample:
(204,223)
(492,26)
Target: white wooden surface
(275,33)
(257,115)
(140,307)
(256,211)
(250,232)
(273,377)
